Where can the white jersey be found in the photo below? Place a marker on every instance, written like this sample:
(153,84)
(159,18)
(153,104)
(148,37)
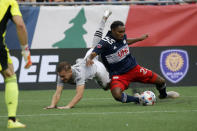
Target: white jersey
(82,73)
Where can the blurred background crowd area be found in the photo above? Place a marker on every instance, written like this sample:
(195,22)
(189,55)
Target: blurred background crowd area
(149,1)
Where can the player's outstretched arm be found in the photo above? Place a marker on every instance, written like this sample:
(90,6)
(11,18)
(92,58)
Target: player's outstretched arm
(55,98)
(76,98)
(89,59)
(134,40)
(99,32)
(23,39)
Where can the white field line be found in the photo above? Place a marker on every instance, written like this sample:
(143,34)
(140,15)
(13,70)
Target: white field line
(91,99)
(46,100)
(84,99)
(105,113)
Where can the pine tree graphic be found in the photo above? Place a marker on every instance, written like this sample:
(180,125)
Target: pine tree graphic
(74,35)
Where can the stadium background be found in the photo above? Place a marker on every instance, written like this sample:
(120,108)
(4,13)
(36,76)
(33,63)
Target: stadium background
(65,32)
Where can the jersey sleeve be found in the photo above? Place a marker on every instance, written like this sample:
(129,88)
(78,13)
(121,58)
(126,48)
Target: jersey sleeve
(80,82)
(100,47)
(80,79)
(59,82)
(15,8)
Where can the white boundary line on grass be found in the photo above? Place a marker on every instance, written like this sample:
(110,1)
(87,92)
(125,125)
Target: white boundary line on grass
(104,113)
(84,99)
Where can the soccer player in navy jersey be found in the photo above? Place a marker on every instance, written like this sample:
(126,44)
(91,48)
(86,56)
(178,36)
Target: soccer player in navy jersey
(122,66)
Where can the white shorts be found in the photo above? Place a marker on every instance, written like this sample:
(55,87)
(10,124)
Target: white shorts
(101,76)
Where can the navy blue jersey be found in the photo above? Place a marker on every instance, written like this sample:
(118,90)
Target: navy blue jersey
(115,55)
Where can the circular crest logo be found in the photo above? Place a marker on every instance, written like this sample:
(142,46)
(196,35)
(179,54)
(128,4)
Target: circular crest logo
(174,64)
(174,61)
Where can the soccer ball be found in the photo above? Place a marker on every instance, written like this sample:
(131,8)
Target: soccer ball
(148,98)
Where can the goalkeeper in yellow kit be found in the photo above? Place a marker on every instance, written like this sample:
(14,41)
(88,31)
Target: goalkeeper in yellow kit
(9,10)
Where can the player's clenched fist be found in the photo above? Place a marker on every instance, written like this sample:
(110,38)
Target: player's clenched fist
(144,36)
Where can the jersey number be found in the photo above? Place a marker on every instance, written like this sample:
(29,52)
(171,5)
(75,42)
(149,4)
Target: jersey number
(144,71)
(109,40)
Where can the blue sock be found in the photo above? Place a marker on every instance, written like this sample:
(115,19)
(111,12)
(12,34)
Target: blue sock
(126,98)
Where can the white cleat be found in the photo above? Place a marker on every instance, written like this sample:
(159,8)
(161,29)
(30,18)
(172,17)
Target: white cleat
(172,94)
(107,13)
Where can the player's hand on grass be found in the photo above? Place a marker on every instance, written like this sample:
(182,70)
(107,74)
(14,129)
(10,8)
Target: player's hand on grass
(50,107)
(64,107)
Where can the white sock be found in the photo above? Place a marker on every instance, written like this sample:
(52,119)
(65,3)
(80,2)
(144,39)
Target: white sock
(98,34)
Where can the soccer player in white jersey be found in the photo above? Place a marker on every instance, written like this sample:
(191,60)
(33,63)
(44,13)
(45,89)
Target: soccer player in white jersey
(79,73)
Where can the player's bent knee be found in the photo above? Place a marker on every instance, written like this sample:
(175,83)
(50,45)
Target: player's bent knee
(116,93)
(8,74)
(117,98)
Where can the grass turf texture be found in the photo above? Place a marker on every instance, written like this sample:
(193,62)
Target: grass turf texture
(98,111)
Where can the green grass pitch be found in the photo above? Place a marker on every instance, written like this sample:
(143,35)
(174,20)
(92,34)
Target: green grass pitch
(98,111)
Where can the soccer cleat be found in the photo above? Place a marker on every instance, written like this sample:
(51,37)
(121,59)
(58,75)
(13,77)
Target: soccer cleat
(107,13)
(170,94)
(16,124)
(162,97)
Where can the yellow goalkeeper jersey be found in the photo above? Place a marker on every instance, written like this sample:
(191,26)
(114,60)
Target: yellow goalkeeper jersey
(8,8)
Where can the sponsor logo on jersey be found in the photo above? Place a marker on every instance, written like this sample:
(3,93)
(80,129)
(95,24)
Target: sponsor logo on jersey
(123,52)
(174,64)
(118,56)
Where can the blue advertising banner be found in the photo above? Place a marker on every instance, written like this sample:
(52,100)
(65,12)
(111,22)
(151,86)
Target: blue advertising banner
(30,16)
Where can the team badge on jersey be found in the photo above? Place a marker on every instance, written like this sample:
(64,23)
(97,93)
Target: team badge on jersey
(124,41)
(99,46)
(174,64)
